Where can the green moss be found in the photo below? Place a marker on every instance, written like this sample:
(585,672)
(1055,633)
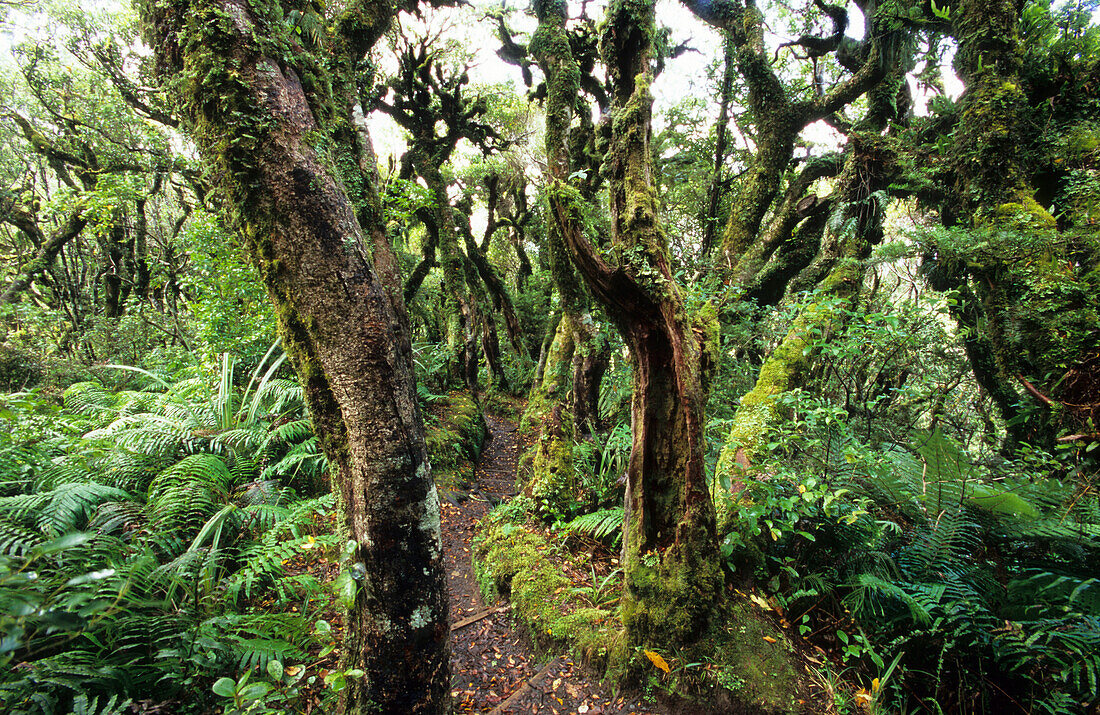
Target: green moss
(455,439)
(670,594)
(553,481)
(1025,215)
(751,662)
(555,381)
(758,413)
(513,562)
(742,662)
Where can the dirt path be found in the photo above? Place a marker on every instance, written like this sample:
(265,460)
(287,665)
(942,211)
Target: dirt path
(495,671)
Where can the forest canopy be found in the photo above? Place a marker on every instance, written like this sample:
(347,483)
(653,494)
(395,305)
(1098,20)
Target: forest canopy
(794,305)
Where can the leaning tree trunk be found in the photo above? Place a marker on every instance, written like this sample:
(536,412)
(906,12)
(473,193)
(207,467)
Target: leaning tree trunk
(48,247)
(340,313)
(837,274)
(672,574)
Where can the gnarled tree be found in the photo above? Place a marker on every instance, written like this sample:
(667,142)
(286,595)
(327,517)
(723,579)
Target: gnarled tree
(273,112)
(672,576)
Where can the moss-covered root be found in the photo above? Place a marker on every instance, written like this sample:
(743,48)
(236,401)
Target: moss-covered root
(741,664)
(455,440)
(511,562)
(751,666)
(670,593)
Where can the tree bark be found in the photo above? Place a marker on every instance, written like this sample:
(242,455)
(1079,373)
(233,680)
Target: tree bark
(462,318)
(48,248)
(340,314)
(672,576)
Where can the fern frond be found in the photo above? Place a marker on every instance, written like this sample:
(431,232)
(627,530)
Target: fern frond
(598,524)
(17,540)
(304,457)
(918,601)
(244,440)
(88,398)
(281,395)
(189,492)
(70,506)
(260,492)
(291,432)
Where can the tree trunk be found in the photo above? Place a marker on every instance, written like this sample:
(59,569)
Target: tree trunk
(547,342)
(672,576)
(115,278)
(717,186)
(340,315)
(48,248)
(590,363)
(141,247)
(463,319)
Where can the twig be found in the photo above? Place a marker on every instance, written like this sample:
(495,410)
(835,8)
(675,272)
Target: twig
(477,617)
(1074,437)
(1034,392)
(529,685)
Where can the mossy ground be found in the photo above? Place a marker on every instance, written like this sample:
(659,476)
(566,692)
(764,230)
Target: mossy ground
(742,664)
(455,432)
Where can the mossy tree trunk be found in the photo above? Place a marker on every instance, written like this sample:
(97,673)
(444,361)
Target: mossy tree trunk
(462,316)
(284,146)
(591,350)
(842,229)
(672,575)
(497,197)
(853,227)
(48,247)
(989,160)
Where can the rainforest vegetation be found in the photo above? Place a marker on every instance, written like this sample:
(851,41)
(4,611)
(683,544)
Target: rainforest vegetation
(795,307)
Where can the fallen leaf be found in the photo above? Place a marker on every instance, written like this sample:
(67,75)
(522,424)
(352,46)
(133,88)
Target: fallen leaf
(769,639)
(657,660)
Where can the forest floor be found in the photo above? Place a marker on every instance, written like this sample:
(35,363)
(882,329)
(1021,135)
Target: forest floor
(495,669)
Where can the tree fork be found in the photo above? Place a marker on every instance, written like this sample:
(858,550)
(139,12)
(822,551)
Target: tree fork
(672,576)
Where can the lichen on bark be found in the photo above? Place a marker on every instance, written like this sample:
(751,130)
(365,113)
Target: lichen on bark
(330,272)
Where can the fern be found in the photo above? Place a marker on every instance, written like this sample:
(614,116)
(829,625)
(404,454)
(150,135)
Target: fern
(262,563)
(189,492)
(599,524)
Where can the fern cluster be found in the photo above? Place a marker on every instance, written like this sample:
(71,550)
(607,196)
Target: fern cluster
(976,584)
(139,528)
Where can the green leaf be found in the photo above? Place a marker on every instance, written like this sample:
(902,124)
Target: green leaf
(68,541)
(275,669)
(90,576)
(255,691)
(224,687)
(336,681)
(346,589)
(63,620)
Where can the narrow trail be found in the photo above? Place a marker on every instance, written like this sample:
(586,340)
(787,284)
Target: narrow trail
(494,668)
